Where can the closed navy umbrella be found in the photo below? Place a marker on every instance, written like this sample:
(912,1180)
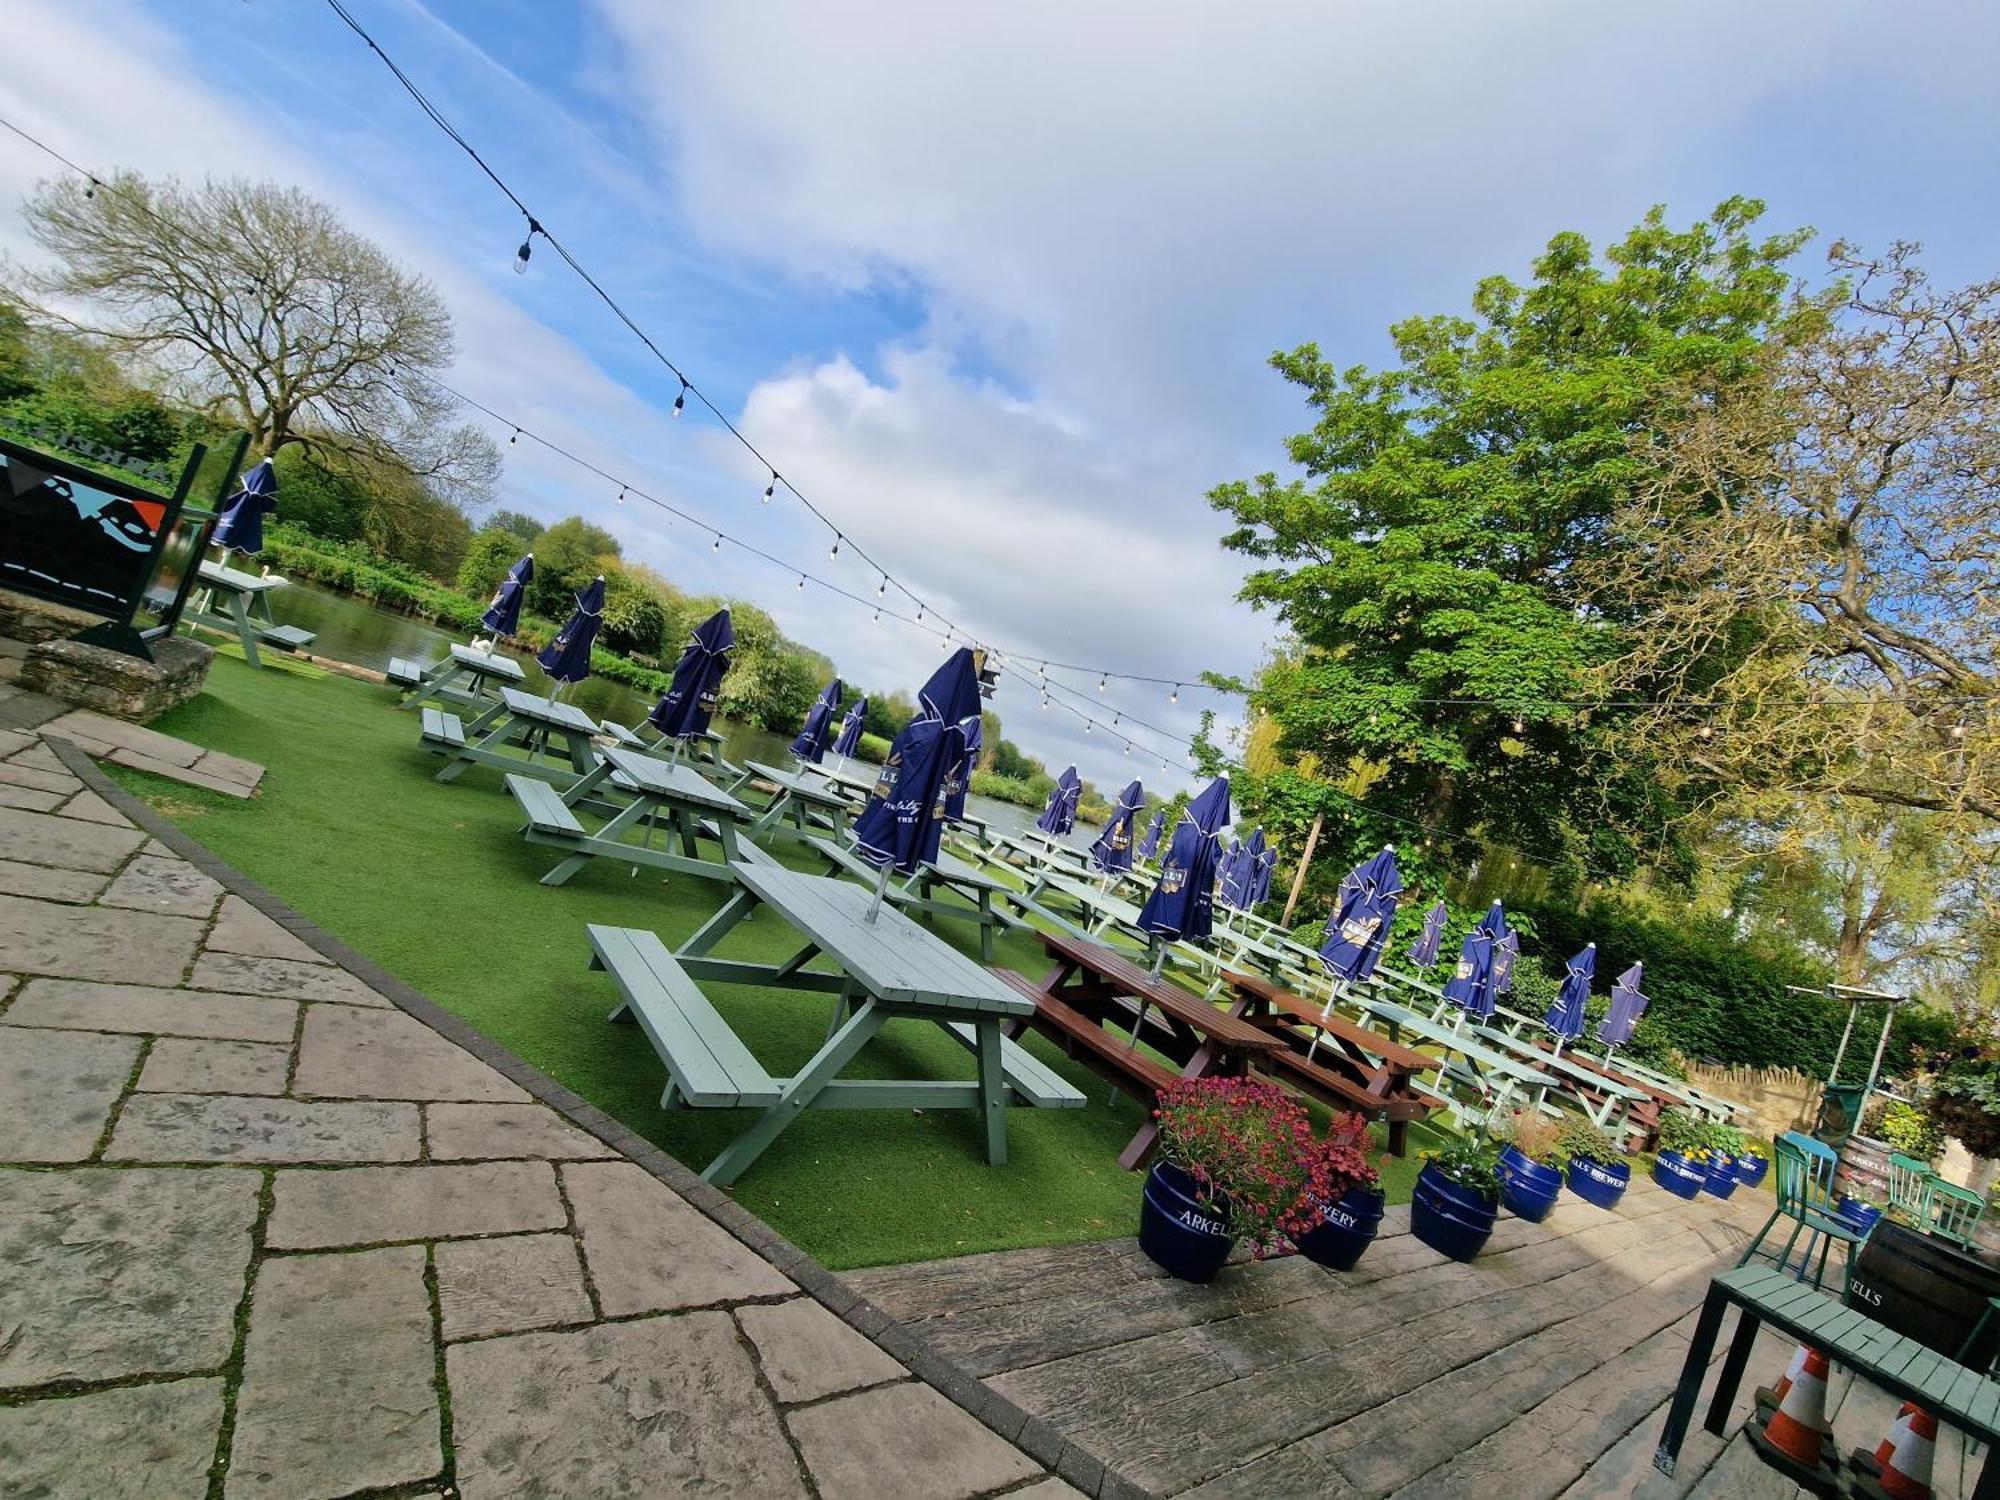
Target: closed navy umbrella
(1111,851)
(952,697)
(1267,861)
(1183,902)
(958,780)
(1358,928)
(900,827)
(503,614)
(1150,844)
(1470,987)
(810,746)
(1565,1016)
(1424,951)
(241,527)
(1232,877)
(1059,817)
(1628,1003)
(850,729)
(689,702)
(1505,950)
(567,657)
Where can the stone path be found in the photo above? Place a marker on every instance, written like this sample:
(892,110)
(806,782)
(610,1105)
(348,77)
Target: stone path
(271,1226)
(1541,1370)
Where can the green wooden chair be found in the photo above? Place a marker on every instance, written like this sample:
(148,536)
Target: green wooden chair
(1803,1171)
(1909,1188)
(1952,1212)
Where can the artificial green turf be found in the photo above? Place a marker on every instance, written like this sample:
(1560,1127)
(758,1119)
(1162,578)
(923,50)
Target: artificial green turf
(436,884)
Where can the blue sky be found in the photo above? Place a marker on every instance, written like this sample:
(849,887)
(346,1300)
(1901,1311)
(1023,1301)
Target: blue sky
(996,287)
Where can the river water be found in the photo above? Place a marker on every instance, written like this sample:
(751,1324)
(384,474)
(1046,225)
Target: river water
(354,631)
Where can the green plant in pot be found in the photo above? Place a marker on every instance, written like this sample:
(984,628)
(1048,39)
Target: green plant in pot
(1598,1172)
(1457,1197)
(1237,1161)
(1681,1167)
(1724,1143)
(1964,1100)
(1350,1215)
(1531,1163)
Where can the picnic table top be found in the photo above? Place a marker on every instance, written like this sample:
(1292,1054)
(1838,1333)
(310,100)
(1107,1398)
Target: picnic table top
(1112,966)
(1473,1046)
(525,705)
(950,868)
(224,576)
(846,775)
(675,780)
(491,663)
(796,784)
(892,957)
(1115,907)
(1394,1054)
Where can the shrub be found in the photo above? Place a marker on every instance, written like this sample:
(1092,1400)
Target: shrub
(1535,1136)
(1907,1127)
(1965,1098)
(1579,1140)
(1682,1132)
(1726,1139)
(1249,1144)
(874,747)
(1472,1165)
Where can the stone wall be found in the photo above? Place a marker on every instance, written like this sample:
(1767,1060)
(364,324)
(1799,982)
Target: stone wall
(1783,1098)
(125,687)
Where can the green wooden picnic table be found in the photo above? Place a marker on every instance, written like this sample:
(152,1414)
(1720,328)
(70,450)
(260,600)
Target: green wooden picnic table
(517,716)
(1497,1075)
(882,970)
(1903,1368)
(855,777)
(1629,1076)
(799,808)
(462,676)
(918,894)
(644,793)
(239,604)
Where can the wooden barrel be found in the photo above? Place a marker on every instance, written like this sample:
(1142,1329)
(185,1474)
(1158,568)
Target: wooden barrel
(1926,1290)
(1864,1169)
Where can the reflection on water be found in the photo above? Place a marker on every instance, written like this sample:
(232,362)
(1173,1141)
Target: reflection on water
(351,630)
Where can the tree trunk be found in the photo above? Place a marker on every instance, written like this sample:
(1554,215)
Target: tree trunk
(1299,875)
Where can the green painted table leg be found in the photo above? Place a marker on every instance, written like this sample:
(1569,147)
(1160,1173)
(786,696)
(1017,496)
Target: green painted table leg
(987,921)
(239,610)
(431,686)
(992,1090)
(488,732)
(711,932)
(799,1094)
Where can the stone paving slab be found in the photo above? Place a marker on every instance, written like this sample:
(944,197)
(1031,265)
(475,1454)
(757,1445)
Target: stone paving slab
(367,1205)
(251,975)
(96,942)
(190,775)
(338,1378)
(227,1128)
(57,782)
(106,1274)
(348,1052)
(904,1442)
(311,1202)
(155,1441)
(28,799)
(510,1284)
(86,1006)
(57,1090)
(660,1406)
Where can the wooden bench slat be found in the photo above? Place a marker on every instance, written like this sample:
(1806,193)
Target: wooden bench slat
(1120,1062)
(1375,1106)
(543,805)
(444,728)
(287,637)
(703,1055)
(403,672)
(1026,1074)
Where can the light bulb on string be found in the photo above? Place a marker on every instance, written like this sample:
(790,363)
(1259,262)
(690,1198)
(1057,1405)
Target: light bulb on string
(621,494)
(1128,747)
(802,580)
(527,249)
(882,587)
(834,550)
(716,545)
(878,618)
(515,438)
(1117,719)
(1101,681)
(1086,726)
(681,401)
(920,614)
(1175,695)
(771,488)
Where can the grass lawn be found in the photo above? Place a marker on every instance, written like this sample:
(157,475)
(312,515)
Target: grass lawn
(436,884)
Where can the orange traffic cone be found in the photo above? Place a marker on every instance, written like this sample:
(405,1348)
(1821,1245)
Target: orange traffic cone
(1794,1438)
(1870,1465)
(1768,1396)
(1906,1472)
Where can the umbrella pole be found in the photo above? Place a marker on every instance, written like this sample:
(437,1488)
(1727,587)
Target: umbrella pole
(1325,1011)
(881,889)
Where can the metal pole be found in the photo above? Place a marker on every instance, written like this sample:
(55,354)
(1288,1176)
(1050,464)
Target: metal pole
(881,889)
(1299,875)
(1874,1067)
(1833,1074)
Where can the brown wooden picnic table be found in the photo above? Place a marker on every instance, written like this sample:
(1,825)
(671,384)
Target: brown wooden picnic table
(1352,1068)
(1093,986)
(1646,1116)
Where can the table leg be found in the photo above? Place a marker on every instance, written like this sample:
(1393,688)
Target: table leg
(684,825)
(429,687)
(1732,1372)
(1700,1347)
(711,932)
(798,1095)
(992,1091)
(487,731)
(246,632)
(987,921)
(725,831)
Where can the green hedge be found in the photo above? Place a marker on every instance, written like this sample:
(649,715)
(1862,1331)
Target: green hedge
(1714,999)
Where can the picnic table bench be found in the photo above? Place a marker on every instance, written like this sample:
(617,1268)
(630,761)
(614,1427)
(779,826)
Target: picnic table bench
(917,895)
(1966,1399)
(644,793)
(245,610)
(1092,986)
(887,969)
(447,678)
(516,716)
(1352,1068)
(1497,1077)
(798,808)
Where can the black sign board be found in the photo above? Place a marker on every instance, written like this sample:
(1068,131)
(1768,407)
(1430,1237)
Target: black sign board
(99,543)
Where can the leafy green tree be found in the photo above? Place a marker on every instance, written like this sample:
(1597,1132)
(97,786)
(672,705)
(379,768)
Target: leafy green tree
(488,556)
(1424,563)
(888,715)
(566,558)
(634,618)
(519,523)
(15,379)
(770,681)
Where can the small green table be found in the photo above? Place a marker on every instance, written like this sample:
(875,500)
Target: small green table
(533,721)
(245,610)
(799,809)
(918,894)
(655,793)
(484,669)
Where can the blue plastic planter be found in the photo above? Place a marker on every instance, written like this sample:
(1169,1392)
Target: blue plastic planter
(1177,1230)
(1720,1179)
(1531,1188)
(1452,1220)
(1595,1182)
(1346,1229)
(1750,1170)
(1857,1215)
(1678,1175)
